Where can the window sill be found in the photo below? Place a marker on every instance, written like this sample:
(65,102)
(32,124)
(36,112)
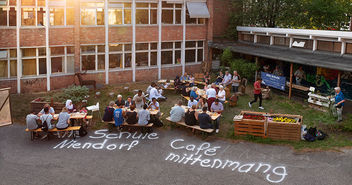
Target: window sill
(7,27)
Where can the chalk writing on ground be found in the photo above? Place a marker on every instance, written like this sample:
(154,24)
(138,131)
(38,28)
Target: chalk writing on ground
(109,141)
(204,156)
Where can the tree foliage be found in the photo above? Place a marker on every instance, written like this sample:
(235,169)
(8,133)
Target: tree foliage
(307,14)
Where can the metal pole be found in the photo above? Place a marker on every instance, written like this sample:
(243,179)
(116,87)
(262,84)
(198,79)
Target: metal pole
(290,90)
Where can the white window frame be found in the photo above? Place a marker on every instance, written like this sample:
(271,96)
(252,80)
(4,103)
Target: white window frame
(8,7)
(36,7)
(37,57)
(65,55)
(123,8)
(149,8)
(8,59)
(95,8)
(174,8)
(118,52)
(95,54)
(196,49)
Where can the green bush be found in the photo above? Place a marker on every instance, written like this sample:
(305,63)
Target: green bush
(74,93)
(226,57)
(244,68)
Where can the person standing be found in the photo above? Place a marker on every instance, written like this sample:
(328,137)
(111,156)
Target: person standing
(299,74)
(139,100)
(211,95)
(235,82)
(257,94)
(339,103)
(221,94)
(227,79)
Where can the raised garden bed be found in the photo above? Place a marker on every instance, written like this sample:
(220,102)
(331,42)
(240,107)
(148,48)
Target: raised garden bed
(38,104)
(250,123)
(274,126)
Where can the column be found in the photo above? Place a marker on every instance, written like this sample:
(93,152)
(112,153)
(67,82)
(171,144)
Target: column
(134,40)
(315,44)
(183,45)
(19,59)
(291,76)
(76,34)
(159,39)
(291,41)
(48,61)
(343,47)
(106,21)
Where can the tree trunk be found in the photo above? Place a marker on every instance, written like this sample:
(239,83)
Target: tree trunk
(351,23)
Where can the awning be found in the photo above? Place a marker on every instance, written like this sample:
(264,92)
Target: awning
(294,55)
(198,10)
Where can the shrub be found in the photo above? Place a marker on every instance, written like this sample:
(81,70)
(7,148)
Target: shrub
(226,57)
(74,93)
(244,68)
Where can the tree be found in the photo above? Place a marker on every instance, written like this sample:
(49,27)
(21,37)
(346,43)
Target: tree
(308,14)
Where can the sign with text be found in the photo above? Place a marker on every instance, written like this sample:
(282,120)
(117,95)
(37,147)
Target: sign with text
(277,82)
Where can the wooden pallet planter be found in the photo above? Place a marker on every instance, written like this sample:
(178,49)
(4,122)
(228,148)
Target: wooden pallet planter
(250,126)
(38,104)
(285,131)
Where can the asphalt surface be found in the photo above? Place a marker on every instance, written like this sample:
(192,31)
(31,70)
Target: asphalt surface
(147,160)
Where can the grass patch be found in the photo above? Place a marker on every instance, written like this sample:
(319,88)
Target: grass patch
(340,134)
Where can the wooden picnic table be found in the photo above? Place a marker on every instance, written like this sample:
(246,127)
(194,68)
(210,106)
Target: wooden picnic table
(213,115)
(152,112)
(164,81)
(75,115)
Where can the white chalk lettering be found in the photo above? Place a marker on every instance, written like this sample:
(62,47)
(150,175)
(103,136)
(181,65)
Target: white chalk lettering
(196,153)
(99,146)
(133,143)
(282,174)
(153,136)
(111,147)
(63,144)
(249,167)
(99,132)
(86,145)
(76,146)
(111,136)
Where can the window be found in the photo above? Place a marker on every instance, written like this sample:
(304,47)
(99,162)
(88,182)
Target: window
(146,13)
(33,12)
(8,64)
(142,54)
(57,59)
(119,13)
(190,20)
(194,51)
(93,57)
(57,16)
(33,61)
(171,13)
(92,14)
(8,14)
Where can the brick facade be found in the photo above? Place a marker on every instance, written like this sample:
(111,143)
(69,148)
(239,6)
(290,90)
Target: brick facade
(78,35)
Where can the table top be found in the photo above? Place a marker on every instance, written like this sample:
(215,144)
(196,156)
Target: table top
(152,112)
(75,115)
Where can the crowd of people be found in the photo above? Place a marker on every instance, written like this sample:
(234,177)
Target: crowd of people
(44,119)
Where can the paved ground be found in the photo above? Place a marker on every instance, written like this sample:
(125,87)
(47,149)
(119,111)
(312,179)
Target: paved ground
(151,160)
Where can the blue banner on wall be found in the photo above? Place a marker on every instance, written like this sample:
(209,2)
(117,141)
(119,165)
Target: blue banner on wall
(277,82)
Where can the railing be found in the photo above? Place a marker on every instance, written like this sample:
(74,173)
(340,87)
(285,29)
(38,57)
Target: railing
(341,37)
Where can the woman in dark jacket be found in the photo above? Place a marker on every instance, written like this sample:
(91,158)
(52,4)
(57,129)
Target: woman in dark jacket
(109,112)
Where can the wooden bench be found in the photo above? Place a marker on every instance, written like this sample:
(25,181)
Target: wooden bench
(195,127)
(186,97)
(112,123)
(73,128)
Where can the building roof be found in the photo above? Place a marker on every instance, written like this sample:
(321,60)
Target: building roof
(294,55)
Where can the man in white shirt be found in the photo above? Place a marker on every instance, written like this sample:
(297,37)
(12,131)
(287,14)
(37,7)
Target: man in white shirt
(211,95)
(227,79)
(192,102)
(154,93)
(139,100)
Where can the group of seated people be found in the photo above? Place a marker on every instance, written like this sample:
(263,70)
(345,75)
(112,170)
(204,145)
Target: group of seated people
(155,91)
(135,110)
(45,117)
(193,117)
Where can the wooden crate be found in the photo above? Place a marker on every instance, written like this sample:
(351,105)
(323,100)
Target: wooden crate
(285,131)
(249,126)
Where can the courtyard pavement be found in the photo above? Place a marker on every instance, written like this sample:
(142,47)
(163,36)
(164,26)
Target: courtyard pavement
(162,157)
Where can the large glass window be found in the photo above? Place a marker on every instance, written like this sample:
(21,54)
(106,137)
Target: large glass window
(190,20)
(146,13)
(8,63)
(57,16)
(28,17)
(171,13)
(142,59)
(32,62)
(119,13)
(32,13)
(194,51)
(57,59)
(92,14)
(93,57)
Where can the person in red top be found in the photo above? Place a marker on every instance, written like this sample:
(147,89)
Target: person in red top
(257,93)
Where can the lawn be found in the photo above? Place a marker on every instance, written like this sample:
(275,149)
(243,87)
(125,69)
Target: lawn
(340,134)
